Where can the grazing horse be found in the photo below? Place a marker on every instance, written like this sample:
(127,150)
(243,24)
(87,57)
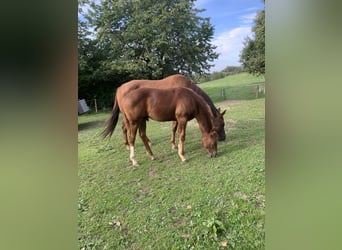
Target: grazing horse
(172,81)
(176,104)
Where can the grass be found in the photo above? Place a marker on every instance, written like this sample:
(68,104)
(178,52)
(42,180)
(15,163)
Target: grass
(238,87)
(164,204)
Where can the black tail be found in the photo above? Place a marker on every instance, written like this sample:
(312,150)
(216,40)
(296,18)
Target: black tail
(112,121)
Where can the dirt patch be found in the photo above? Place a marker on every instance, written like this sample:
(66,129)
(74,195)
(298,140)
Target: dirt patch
(230,124)
(241,195)
(180,221)
(227,103)
(152,174)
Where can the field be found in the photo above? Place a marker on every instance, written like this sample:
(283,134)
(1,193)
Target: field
(236,87)
(216,203)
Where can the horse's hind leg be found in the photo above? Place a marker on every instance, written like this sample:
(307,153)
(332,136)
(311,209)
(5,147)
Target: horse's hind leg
(181,133)
(125,127)
(173,133)
(146,141)
(132,134)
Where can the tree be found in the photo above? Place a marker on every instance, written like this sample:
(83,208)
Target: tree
(252,55)
(152,39)
(232,70)
(94,80)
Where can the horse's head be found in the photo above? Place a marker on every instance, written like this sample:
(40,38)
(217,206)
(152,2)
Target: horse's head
(209,142)
(218,124)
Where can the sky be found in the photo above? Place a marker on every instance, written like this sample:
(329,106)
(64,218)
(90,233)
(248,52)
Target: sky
(232,21)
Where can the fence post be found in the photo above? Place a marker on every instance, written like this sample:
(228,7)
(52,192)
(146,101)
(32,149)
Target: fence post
(257,91)
(95,105)
(223,93)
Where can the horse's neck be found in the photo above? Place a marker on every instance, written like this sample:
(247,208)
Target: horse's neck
(199,91)
(204,118)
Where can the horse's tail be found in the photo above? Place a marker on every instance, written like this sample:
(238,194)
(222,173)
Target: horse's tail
(112,121)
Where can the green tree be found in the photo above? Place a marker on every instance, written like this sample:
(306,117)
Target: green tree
(232,70)
(252,55)
(152,39)
(95,81)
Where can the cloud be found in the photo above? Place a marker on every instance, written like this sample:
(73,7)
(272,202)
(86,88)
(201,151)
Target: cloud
(229,45)
(254,9)
(201,3)
(248,18)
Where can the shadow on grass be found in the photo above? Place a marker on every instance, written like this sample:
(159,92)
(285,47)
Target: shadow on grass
(90,125)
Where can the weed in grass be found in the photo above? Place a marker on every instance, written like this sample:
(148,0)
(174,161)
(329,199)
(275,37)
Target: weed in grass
(214,227)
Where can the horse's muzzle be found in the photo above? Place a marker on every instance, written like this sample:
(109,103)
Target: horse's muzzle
(212,155)
(222,138)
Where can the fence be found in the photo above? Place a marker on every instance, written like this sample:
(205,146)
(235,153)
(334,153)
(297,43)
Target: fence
(246,92)
(96,105)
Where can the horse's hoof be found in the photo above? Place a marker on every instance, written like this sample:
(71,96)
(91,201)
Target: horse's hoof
(153,158)
(185,161)
(175,148)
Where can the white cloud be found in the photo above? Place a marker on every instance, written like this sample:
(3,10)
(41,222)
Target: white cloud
(201,3)
(229,45)
(251,9)
(248,18)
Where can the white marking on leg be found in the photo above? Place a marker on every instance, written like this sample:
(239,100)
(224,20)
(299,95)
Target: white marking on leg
(180,152)
(131,156)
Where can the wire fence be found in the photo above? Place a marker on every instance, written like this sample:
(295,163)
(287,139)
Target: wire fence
(246,92)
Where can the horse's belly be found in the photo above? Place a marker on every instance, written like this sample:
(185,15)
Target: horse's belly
(161,116)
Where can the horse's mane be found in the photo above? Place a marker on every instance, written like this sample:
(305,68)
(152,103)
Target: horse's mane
(205,107)
(200,92)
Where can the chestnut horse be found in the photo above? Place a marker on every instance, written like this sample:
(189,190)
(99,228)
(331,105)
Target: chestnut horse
(176,104)
(172,82)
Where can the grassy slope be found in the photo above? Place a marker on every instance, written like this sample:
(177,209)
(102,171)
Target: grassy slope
(164,204)
(236,87)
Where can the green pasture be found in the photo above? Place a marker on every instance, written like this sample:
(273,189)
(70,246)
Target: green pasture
(208,203)
(235,87)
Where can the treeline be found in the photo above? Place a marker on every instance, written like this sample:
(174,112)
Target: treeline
(228,71)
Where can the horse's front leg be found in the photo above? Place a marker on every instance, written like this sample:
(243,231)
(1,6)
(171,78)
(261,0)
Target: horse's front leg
(132,134)
(146,141)
(173,133)
(181,134)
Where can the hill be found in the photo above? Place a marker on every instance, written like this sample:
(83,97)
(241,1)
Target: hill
(236,87)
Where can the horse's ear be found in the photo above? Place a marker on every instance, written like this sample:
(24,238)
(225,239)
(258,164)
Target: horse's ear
(219,110)
(222,114)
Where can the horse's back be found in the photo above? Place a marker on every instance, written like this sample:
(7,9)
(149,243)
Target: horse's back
(160,104)
(172,81)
